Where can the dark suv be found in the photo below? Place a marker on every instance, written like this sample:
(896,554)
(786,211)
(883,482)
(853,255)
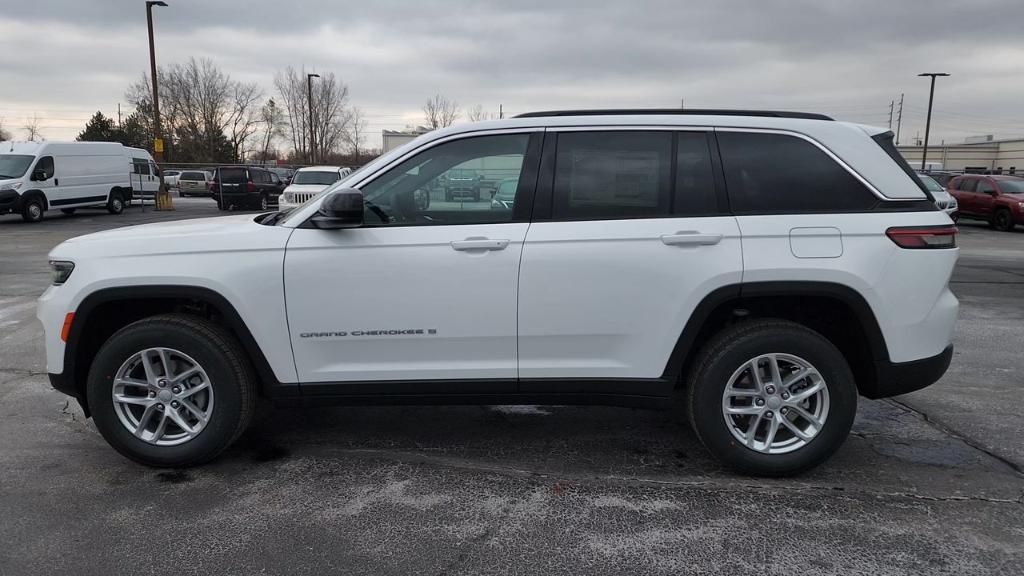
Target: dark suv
(245,187)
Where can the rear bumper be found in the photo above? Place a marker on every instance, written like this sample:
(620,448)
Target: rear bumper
(895,378)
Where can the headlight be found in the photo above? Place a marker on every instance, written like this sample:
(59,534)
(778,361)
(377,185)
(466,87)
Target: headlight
(60,271)
(1021,205)
(11,186)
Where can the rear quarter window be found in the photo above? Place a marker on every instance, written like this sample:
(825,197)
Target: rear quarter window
(778,173)
(233,175)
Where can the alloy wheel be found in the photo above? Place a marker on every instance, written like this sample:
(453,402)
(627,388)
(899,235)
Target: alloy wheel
(162,396)
(775,403)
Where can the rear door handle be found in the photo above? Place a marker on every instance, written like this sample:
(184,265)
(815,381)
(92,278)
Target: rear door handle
(691,238)
(481,244)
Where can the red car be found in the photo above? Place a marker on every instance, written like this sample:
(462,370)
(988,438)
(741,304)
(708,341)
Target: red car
(998,200)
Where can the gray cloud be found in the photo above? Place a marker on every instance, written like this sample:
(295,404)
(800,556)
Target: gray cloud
(64,59)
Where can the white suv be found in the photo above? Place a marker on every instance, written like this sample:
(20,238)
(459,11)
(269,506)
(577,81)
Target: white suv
(769,266)
(309,182)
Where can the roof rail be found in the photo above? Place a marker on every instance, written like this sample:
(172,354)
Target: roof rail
(676,111)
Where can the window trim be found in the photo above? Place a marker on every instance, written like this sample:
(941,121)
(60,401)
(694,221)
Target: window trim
(819,145)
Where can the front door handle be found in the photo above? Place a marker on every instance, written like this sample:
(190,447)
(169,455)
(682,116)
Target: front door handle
(691,238)
(479,243)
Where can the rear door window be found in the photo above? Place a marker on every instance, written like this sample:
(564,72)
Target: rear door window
(967,184)
(778,173)
(985,187)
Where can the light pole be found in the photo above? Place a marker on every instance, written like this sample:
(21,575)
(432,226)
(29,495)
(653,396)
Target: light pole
(162,197)
(309,95)
(928,122)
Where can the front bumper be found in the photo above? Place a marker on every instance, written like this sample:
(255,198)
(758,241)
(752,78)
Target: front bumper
(10,201)
(895,378)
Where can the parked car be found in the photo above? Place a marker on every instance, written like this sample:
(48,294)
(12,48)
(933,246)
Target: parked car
(310,181)
(285,174)
(943,199)
(998,200)
(244,187)
(171,178)
(195,183)
(505,195)
(460,184)
(38,176)
(689,256)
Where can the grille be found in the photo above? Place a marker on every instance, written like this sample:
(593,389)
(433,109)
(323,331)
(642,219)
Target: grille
(298,197)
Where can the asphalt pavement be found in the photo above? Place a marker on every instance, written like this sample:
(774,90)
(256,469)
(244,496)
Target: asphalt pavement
(929,483)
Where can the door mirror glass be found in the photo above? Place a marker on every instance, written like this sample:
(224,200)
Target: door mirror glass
(340,209)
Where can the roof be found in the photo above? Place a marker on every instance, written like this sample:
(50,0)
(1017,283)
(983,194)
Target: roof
(320,168)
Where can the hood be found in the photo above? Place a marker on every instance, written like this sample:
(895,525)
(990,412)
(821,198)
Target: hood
(306,188)
(172,229)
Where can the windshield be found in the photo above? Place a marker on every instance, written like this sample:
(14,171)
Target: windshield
(1011,186)
(315,177)
(14,165)
(930,183)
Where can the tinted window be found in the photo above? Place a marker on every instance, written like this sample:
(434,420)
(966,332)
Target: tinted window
(985,187)
(46,165)
(140,166)
(317,177)
(193,176)
(772,173)
(232,175)
(695,181)
(429,187)
(612,175)
(967,184)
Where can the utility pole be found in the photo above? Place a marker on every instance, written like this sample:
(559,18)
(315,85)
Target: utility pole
(682,103)
(892,104)
(162,197)
(501,112)
(928,121)
(899,120)
(312,132)
(118,115)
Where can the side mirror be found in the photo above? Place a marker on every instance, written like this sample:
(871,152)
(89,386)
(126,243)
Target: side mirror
(38,176)
(340,209)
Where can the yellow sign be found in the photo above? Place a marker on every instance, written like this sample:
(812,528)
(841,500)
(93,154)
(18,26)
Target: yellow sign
(158,145)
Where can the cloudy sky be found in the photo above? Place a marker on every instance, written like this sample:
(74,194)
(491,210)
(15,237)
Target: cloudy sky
(64,59)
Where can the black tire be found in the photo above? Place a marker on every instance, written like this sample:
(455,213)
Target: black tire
(1002,220)
(728,351)
(32,209)
(115,205)
(264,203)
(68,211)
(220,355)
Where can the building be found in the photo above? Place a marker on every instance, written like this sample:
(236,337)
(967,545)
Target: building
(394,138)
(979,153)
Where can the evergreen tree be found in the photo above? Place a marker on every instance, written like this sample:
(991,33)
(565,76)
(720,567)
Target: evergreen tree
(99,128)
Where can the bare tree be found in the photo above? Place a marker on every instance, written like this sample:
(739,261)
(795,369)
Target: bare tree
(477,114)
(272,119)
(356,133)
(331,114)
(440,112)
(4,134)
(244,118)
(31,127)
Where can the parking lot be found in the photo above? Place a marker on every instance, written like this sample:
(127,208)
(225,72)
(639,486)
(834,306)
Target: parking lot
(930,483)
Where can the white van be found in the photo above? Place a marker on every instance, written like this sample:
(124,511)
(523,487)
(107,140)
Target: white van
(39,176)
(145,174)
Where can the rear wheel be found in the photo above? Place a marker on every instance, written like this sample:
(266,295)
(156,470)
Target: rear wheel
(771,398)
(115,205)
(32,209)
(264,203)
(172,390)
(1002,220)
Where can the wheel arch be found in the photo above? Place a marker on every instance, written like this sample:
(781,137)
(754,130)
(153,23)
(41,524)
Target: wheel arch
(35,192)
(838,312)
(105,311)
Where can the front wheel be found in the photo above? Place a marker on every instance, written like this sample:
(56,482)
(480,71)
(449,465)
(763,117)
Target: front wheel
(115,205)
(172,390)
(1003,220)
(32,210)
(771,398)
(264,203)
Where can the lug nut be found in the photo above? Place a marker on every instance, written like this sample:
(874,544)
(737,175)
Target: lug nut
(759,401)
(770,389)
(769,414)
(161,383)
(175,404)
(160,407)
(784,411)
(152,394)
(176,389)
(785,395)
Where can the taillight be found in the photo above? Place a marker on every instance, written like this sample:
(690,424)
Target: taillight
(250,187)
(926,237)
